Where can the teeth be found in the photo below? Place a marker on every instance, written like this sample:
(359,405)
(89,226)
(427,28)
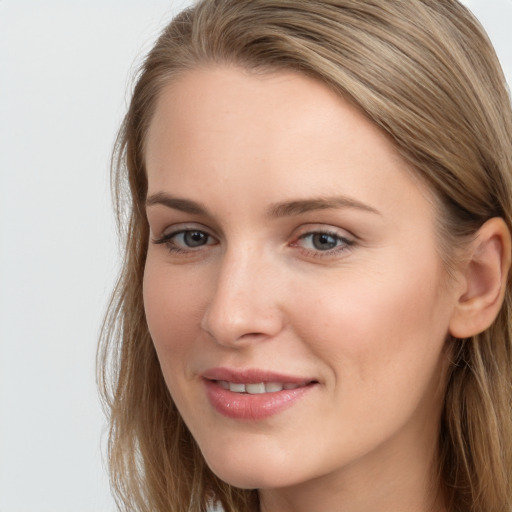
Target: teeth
(272,387)
(256,388)
(236,388)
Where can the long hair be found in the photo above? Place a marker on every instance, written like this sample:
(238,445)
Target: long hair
(426,74)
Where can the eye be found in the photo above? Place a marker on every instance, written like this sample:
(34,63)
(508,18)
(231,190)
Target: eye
(326,242)
(321,241)
(191,238)
(186,240)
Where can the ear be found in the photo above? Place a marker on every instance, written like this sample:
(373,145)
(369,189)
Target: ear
(484,280)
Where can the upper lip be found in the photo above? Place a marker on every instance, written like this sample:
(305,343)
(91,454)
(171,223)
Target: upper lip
(252,376)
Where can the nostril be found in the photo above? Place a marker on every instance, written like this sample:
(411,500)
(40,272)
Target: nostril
(252,335)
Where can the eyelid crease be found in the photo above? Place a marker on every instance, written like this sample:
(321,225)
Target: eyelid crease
(328,233)
(325,228)
(179,227)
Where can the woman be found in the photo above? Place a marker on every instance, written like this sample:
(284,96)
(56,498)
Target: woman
(314,308)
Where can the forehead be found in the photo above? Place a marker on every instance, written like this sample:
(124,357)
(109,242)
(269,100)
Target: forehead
(225,124)
(215,98)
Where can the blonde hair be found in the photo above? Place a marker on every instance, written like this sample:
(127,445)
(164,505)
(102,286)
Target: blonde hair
(424,72)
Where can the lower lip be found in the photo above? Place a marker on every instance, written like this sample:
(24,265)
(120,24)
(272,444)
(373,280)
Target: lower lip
(244,406)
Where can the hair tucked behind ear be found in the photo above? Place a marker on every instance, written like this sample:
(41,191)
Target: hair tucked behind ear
(426,74)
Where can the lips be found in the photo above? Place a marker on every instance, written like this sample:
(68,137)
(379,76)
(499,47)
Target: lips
(253,394)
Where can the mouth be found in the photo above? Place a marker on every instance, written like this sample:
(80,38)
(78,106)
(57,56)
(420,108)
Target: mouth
(254,394)
(259,388)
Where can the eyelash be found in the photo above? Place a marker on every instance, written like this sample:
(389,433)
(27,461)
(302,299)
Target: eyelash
(342,244)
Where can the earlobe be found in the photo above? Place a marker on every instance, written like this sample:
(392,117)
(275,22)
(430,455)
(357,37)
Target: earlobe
(485,277)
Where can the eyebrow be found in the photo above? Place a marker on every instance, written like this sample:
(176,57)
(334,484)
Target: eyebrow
(176,203)
(291,208)
(285,209)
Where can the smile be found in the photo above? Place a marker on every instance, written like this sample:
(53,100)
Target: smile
(254,395)
(257,388)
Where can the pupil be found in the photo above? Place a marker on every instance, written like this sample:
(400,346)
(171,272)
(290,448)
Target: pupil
(323,241)
(195,238)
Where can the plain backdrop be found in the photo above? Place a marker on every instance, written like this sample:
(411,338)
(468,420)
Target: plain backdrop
(65,69)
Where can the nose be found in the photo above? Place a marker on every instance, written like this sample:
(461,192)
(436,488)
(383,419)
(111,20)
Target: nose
(245,306)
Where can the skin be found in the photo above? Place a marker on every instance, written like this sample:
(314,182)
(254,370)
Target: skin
(367,320)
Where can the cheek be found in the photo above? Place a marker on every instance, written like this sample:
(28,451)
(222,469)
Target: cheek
(174,308)
(379,330)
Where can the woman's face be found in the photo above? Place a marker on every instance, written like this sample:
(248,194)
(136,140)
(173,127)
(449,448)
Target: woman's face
(293,288)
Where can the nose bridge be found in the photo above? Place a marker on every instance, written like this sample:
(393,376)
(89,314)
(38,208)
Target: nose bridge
(244,305)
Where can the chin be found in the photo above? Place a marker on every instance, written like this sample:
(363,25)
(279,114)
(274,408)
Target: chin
(251,474)
(250,480)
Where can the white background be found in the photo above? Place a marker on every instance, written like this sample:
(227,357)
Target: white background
(64,76)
